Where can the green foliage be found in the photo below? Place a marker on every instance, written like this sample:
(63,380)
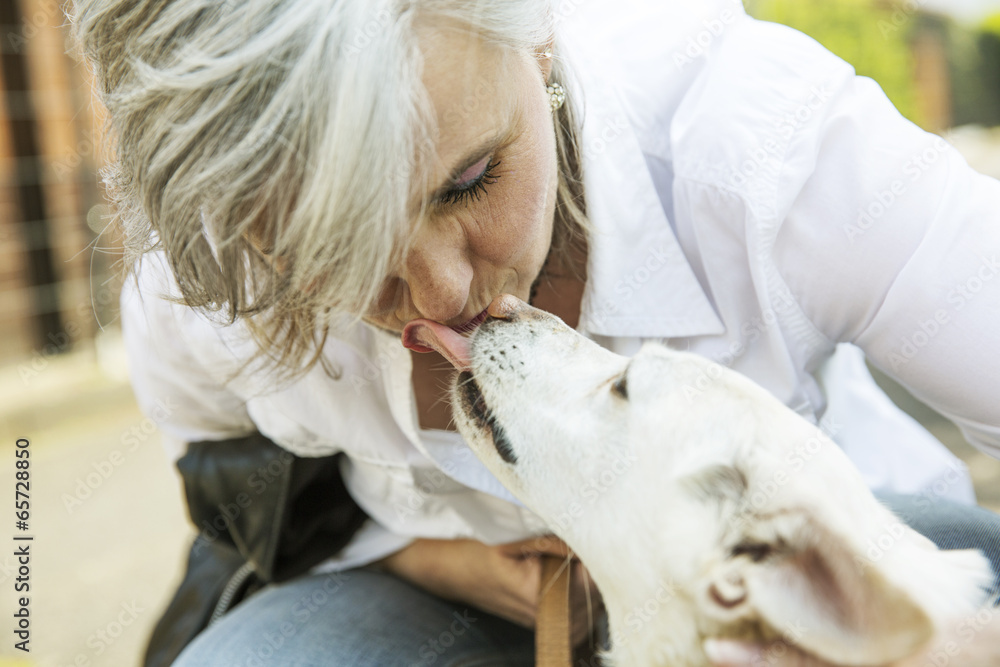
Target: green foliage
(870,36)
(980,103)
(991,24)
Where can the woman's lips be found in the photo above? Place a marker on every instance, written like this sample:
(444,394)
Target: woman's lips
(471,324)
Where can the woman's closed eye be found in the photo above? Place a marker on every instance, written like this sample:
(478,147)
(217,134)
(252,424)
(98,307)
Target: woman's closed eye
(467,190)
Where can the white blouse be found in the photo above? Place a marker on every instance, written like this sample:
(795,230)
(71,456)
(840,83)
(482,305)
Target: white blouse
(754,201)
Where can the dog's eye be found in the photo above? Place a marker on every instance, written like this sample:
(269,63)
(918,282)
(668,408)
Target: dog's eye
(620,385)
(757,551)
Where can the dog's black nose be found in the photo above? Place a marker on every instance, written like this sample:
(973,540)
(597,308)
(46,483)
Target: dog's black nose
(506,307)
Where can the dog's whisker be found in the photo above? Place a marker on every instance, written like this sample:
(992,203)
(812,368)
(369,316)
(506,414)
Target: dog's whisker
(451,423)
(590,606)
(552,581)
(443,366)
(441,399)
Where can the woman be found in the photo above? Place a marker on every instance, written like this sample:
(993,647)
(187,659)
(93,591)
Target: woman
(317,173)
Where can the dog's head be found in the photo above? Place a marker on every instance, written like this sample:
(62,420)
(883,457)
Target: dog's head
(686,487)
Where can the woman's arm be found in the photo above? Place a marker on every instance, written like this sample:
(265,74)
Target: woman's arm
(871,230)
(893,243)
(502,580)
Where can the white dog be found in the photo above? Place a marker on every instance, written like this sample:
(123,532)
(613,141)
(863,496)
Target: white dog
(702,506)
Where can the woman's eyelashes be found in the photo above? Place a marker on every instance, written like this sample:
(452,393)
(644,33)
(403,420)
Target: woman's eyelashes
(473,189)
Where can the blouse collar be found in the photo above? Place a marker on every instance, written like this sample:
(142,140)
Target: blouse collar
(639,282)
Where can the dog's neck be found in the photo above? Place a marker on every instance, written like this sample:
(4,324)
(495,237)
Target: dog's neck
(638,630)
(643,609)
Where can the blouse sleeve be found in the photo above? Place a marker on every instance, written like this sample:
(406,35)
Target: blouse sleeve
(173,388)
(892,242)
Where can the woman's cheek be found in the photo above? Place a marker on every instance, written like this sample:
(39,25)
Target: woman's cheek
(495,232)
(507,223)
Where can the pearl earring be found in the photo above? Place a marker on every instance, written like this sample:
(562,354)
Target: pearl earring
(557,95)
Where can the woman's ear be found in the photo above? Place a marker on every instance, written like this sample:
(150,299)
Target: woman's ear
(543,55)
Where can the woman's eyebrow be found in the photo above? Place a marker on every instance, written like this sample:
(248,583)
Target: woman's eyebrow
(471,158)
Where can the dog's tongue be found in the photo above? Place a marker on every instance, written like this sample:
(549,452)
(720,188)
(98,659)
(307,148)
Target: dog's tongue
(428,335)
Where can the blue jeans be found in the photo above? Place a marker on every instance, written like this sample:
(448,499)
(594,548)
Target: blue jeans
(366,618)
(951,525)
(357,617)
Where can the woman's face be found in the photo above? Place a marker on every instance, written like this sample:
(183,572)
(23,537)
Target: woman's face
(493,189)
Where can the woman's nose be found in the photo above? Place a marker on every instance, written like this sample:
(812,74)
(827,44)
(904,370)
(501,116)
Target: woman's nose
(439,275)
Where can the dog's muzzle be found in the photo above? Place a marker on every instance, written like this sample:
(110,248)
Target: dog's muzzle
(424,335)
(474,405)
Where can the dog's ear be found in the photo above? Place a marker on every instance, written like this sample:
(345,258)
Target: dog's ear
(808,585)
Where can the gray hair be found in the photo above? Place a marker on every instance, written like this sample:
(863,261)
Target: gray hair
(254,139)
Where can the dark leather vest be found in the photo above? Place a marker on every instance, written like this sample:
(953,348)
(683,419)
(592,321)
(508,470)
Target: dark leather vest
(263,515)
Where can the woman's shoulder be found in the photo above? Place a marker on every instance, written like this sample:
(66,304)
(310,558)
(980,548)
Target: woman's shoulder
(762,88)
(703,85)
(155,318)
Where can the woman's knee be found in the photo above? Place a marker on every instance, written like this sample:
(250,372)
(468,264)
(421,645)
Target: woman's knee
(950,525)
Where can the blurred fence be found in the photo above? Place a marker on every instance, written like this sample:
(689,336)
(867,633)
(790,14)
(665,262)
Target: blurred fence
(54,269)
